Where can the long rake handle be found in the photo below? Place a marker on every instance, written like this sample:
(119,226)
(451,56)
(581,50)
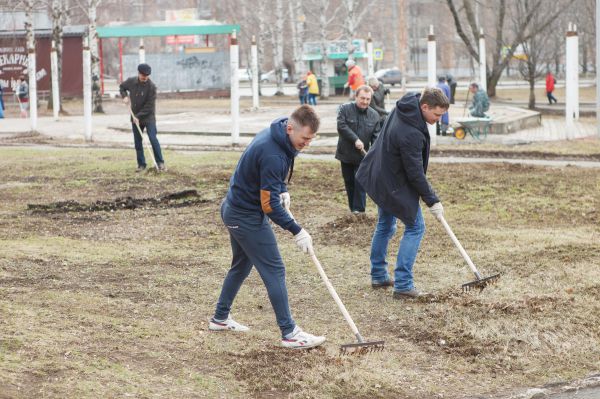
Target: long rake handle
(149,147)
(335,296)
(460,247)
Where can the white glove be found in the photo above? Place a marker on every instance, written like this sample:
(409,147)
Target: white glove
(346,85)
(285,200)
(303,241)
(437,210)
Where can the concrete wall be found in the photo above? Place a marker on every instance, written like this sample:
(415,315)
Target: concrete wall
(184,72)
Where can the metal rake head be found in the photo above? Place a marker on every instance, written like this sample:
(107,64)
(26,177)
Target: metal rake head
(362,348)
(481,283)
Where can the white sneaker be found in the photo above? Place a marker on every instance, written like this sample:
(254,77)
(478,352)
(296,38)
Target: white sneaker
(301,340)
(228,324)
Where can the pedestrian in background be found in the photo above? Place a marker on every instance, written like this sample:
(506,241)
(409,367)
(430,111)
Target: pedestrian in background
(481,102)
(442,125)
(378,100)
(550,82)
(1,102)
(302,91)
(452,83)
(313,88)
(355,77)
(23,96)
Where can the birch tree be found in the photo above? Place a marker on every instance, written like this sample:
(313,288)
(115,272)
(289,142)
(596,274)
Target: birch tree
(278,45)
(320,11)
(297,19)
(59,13)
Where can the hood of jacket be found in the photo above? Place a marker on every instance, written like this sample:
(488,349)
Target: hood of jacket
(409,110)
(280,136)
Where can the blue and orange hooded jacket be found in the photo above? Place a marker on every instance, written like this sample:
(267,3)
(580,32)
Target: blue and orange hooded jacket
(260,175)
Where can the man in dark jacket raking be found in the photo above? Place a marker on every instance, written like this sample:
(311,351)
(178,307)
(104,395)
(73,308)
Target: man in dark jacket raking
(358,126)
(257,193)
(393,174)
(140,92)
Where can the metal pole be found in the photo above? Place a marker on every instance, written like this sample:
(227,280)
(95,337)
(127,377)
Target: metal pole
(101,56)
(431,57)
(370,66)
(54,72)
(87,90)
(120,60)
(255,77)
(142,51)
(431,79)
(482,61)
(235,89)
(571,82)
(32,89)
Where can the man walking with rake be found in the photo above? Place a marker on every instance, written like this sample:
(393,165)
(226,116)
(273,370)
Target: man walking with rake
(257,193)
(139,92)
(393,174)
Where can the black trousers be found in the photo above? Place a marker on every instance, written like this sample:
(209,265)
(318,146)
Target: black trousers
(357,197)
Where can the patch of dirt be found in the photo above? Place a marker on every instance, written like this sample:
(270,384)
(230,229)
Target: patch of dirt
(174,200)
(348,230)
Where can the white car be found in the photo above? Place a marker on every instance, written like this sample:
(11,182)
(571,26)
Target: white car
(244,75)
(271,77)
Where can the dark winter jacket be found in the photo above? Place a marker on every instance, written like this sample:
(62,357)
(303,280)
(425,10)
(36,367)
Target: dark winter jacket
(354,123)
(393,172)
(259,177)
(142,97)
(378,101)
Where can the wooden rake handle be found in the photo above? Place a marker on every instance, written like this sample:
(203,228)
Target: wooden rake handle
(460,247)
(335,296)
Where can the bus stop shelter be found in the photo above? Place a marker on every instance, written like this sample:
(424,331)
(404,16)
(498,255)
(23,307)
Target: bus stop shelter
(176,29)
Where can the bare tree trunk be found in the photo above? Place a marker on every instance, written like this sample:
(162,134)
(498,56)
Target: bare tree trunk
(297,25)
(531,104)
(323,39)
(59,10)
(93,35)
(278,46)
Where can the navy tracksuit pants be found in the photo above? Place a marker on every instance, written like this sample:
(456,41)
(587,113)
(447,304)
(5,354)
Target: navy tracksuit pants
(253,244)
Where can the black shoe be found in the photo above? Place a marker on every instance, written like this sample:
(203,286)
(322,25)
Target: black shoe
(140,169)
(383,284)
(162,167)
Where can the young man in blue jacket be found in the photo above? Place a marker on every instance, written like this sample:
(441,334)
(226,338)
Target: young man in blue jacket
(257,193)
(393,174)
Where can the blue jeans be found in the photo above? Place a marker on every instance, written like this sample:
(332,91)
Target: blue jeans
(312,99)
(253,243)
(139,148)
(407,253)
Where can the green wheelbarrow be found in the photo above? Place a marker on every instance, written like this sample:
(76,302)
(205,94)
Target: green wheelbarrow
(478,128)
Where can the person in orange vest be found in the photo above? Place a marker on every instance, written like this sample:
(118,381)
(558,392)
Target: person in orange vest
(355,77)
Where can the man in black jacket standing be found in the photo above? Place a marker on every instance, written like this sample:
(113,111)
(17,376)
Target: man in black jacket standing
(393,174)
(140,92)
(358,126)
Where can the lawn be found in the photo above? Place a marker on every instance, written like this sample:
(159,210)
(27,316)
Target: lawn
(106,284)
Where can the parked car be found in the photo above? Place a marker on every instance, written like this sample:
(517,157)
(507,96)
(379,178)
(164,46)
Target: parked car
(389,76)
(244,75)
(272,77)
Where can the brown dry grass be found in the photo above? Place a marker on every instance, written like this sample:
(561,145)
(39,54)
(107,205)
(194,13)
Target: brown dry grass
(114,304)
